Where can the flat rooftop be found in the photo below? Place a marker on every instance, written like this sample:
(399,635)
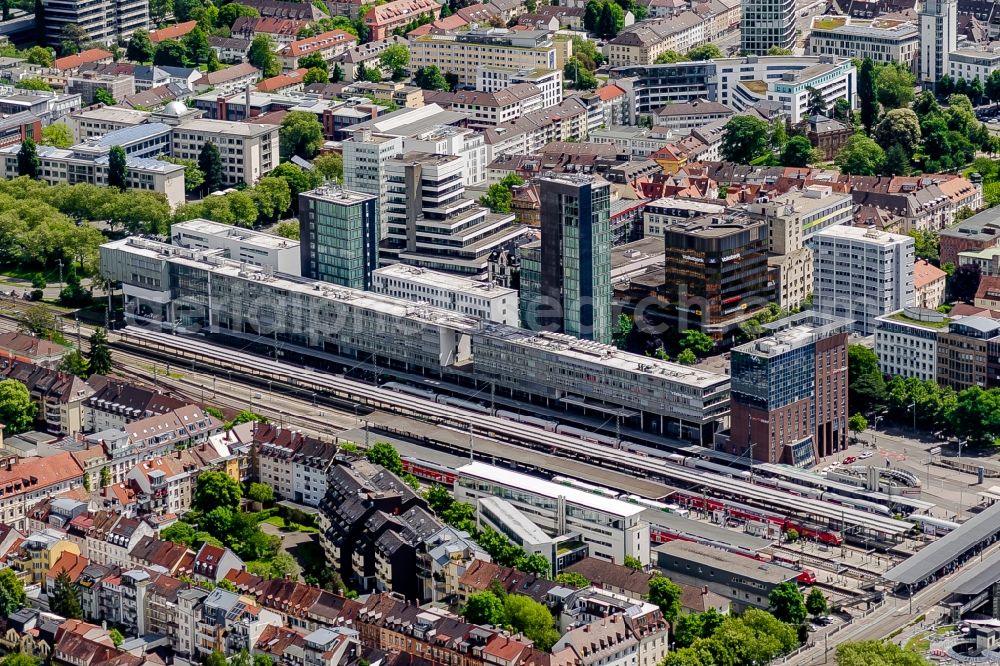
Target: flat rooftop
(864,234)
(514,519)
(686,204)
(544,488)
(440,280)
(230,127)
(113,114)
(740,565)
(986,223)
(248,236)
(794,332)
(338,195)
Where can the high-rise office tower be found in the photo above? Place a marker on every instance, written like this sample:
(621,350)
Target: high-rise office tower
(789,391)
(104,21)
(430,223)
(938,38)
(365,156)
(338,236)
(767,23)
(575,266)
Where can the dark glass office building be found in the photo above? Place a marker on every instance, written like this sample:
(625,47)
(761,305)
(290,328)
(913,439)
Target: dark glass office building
(338,236)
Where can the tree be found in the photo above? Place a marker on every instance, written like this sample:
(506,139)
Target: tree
(198,49)
(894,84)
(816,602)
(867,94)
(815,102)
(39,55)
(965,282)
(687,357)
(272,197)
(696,341)
(992,87)
(857,424)
(842,111)
(27,159)
(337,75)
(666,594)
(313,61)
(140,47)
(297,178)
(484,608)
(300,134)
(531,618)
(704,52)
(158,10)
(105,477)
(572,579)
(897,161)
(877,653)
(32,83)
(216,490)
(744,139)
(261,492)
(592,15)
(899,126)
(787,603)
(20,659)
(65,598)
(17,409)
(395,58)
(779,51)
(74,37)
(194,179)
(210,164)
(215,658)
(179,532)
(170,53)
(117,168)
(116,637)
(861,156)
(430,78)
(100,353)
(633,562)
(798,152)
(12,594)
(74,363)
(57,135)
(499,197)
(331,166)
(865,384)
(288,229)
(315,75)
(385,454)
(261,55)
(228,14)
(535,564)
(669,57)
(575,73)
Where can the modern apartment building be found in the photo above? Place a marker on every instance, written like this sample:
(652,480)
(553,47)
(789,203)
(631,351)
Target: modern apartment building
(431,224)
(575,258)
(906,343)
(104,21)
(549,81)
(339,232)
(715,273)
(967,353)
(767,23)
(86,85)
(861,273)
(662,213)
(448,292)
(613,529)
(466,53)
(789,392)
(256,248)
(938,38)
(180,290)
(881,40)
(643,42)
(327,44)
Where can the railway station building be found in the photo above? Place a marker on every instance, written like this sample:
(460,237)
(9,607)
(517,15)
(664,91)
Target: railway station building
(328,326)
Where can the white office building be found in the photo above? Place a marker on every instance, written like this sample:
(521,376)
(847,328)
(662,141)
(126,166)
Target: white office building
(447,291)
(861,274)
(938,38)
(973,63)
(660,214)
(503,517)
(253,247)
(906,342)
(365,157)
(612,528)
(104,21)
(549,81)
(881,40)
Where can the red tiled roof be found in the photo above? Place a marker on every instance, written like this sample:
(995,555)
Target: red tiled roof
(609,92)
(925,273)
(172,31)
(282,80)
(90,55)
(304,46)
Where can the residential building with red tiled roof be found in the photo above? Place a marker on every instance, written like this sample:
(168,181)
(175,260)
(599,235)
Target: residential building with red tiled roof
(72,563)
(282,31)
(283,82)
(928,284)
(214,563)
(72,62)
(229,80)
(383,19)
(327,45)
(175,31)
(153,552)
(22,482)
(30,349)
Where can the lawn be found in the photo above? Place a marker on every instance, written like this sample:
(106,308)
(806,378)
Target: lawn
(281,524)
(918,644)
